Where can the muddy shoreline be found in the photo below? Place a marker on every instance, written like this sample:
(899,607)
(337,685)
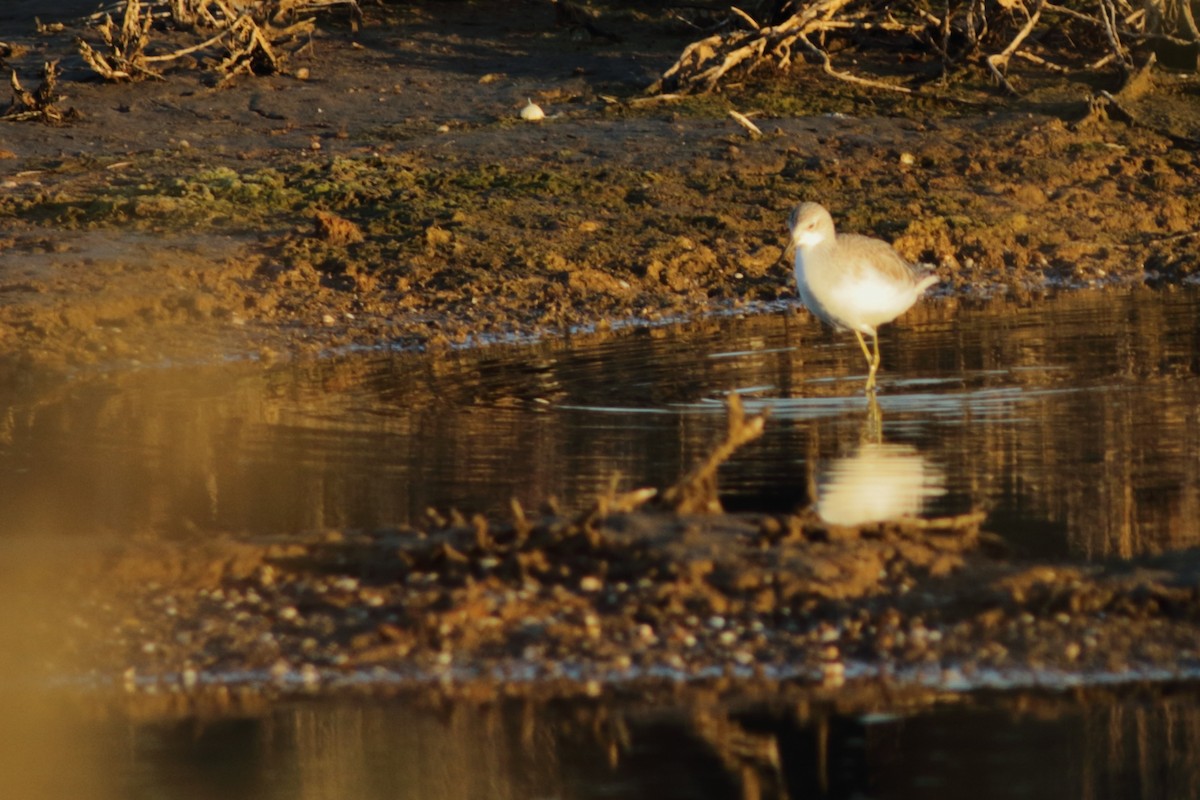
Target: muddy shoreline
(645,602)
(394,199)
(394,196)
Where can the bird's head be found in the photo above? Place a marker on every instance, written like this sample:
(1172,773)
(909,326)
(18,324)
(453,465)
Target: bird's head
(811,225)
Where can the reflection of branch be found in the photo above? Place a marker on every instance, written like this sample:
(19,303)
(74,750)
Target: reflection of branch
(750,757)
(697,491)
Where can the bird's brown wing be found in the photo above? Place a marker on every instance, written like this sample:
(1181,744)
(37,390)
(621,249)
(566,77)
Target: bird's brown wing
(865,252)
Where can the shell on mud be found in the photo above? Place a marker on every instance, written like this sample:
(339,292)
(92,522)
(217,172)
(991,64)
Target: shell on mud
(532,112)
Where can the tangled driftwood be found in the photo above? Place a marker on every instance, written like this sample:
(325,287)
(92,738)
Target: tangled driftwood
(248,36)
(957,34)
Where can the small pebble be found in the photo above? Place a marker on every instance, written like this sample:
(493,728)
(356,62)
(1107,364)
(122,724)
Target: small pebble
(532,112)
(309,675)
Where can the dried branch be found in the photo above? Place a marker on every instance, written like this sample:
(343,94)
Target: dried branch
(704,63)
(998,60)
(1041,62)
(40,104)
(827,67)
(959,33)
(1108,14)
(745,122)
(749,20)
(124,57)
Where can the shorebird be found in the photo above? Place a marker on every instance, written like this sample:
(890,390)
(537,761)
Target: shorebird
(851,281)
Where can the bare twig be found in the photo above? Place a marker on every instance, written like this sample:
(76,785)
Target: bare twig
(977,23)
(1041,62)
(1185,9)
(749,20)
(744,121)
(186,51)
(958,31)
(1108,14)
(998,60)
(827,66)
(1066,11)
(1175,237)
(704,63)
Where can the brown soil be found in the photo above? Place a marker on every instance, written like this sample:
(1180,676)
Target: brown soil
(552,606)
(394,196)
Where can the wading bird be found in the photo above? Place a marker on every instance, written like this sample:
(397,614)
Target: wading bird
(852,281)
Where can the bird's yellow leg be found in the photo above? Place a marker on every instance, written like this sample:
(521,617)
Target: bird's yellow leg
(866,350)
(872,360)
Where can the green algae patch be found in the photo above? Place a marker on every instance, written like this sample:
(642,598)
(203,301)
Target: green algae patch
(147,199)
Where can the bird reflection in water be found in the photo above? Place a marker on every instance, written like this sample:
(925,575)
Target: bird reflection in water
(877,481)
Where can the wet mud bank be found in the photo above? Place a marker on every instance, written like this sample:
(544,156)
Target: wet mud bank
(393,196)
(551,606)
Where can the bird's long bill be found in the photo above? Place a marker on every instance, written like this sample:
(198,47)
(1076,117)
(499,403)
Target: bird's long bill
(789,252)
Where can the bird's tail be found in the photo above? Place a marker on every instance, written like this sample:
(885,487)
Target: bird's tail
(926,282)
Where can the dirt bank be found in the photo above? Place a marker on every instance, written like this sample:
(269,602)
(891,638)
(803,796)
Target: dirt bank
(394,196)
(544,605)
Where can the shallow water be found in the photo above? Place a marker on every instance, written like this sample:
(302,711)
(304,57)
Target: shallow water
(1074,422)
(1028,747)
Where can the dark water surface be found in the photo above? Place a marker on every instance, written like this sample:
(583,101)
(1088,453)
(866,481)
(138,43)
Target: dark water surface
(1032,747)
(1075,422)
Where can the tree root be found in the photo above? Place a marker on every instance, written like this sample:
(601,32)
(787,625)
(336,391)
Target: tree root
(1108,106)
